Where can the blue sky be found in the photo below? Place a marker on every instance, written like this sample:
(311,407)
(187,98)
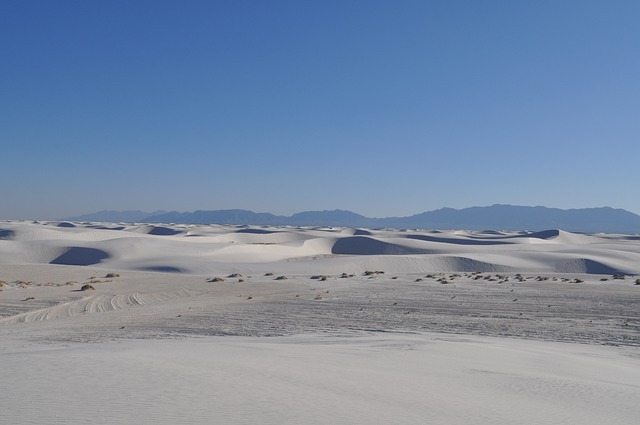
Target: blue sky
(380,107)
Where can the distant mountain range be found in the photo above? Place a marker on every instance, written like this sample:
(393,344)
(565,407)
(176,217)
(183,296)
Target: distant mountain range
(115,216)
(495,217)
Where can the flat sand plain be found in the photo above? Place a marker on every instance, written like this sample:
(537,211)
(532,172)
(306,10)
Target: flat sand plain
(281,325)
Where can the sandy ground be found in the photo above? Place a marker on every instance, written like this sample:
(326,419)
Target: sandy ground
(369,326)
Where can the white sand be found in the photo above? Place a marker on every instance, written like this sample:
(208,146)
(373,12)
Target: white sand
(556,345)
(319,380)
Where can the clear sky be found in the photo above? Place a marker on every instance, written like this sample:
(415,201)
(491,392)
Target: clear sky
(380,107)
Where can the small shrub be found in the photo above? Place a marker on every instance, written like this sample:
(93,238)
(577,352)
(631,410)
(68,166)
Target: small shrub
(268,274)
(29,298)
(637,282)
(281,278)
(215,279)
(111,275)
(232,275)
(618,276)
(87,287)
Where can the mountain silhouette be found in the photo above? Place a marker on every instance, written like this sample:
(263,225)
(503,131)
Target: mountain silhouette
(494,217)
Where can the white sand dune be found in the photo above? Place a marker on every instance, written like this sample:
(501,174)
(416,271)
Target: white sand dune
(316,325)
(202,249)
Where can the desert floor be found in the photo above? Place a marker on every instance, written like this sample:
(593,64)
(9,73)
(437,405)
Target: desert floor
(239,324)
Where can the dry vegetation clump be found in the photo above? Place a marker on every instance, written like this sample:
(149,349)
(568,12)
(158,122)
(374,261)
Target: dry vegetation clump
(372,273)
(3,283)
(268,274)
(87,287)
(111,275)
(29,298)
(215,279)
(232,275)
(281,278)
(637,282)
(618,276)
(347,275)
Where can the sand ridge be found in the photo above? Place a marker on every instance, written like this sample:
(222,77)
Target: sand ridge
(203,249)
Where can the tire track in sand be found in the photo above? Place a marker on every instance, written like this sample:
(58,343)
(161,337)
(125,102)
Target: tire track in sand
(98,303)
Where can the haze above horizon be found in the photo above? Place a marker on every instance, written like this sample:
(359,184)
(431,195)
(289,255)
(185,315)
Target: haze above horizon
(384,108)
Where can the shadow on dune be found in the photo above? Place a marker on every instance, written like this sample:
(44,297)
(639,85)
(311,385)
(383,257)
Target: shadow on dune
(106,227)
(455,240)
(256,231)
(80,256)
(585,265)
(7,234)
(544,234)
(474,240)
(464,264)
(163,231)
(65,224)
(362,245)
(162,269)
